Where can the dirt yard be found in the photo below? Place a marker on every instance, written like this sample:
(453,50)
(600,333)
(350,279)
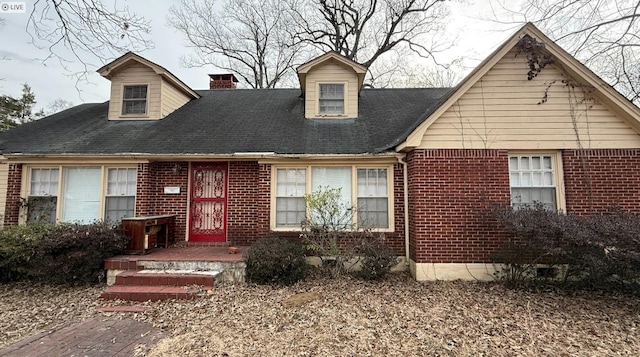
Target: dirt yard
(348,317)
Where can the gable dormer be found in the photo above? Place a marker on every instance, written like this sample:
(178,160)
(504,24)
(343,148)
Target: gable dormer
(330,85)
(143,90)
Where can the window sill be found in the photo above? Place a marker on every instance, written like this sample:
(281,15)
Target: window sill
(299,230)
(330,115)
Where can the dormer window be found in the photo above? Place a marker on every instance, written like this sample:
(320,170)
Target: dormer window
(134,100)
(331,101)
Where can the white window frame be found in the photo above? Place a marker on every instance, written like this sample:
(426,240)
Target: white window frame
(104,169)
(278,194)
(354,190)
(120,195)
(40,195)
(344,100)
(123,100)
(557,169)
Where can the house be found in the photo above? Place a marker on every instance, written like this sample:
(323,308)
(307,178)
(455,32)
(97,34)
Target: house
(529,124)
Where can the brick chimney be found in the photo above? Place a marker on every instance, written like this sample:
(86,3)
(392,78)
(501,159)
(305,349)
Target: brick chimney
(222,81)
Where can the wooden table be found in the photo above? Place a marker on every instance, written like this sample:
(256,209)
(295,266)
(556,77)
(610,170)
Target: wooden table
(148,232)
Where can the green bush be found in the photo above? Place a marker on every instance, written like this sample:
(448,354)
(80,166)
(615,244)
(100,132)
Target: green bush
(58,254)
(276,261)
(377,261)
(19,247)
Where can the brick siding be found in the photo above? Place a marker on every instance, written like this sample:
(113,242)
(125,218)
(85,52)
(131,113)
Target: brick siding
(150,196)
(596,180)
(450,195)
(12,207)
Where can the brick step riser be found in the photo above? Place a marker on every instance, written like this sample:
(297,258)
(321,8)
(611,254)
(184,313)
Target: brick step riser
(144,296)
(165,280)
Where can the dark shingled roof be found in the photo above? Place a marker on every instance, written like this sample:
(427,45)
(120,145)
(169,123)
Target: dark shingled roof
(232,121)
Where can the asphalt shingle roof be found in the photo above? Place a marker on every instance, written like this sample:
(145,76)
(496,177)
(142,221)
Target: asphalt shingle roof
(231,121)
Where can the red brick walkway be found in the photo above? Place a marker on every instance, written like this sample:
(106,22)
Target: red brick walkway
(100,336)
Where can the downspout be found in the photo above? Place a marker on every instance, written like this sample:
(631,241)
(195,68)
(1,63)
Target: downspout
(401,160)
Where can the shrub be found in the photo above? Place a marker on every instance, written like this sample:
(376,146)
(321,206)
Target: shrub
(75,253)
(599,251)
(330,232)
(377,261)
(18,248)
(58,254)
(276,261)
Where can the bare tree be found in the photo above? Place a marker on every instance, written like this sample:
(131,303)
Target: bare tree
(262,40)
(246,37)
(363,30)
(88,29)
(57,105)
(404,71)
(605,35)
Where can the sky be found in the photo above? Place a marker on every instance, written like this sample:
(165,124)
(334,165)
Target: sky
(21,61)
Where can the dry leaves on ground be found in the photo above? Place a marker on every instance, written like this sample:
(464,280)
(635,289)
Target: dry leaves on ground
(349,317)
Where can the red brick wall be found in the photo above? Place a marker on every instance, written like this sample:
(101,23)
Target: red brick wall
(598,179)
(395,240)
(151,199)
(450,194)
(246,221)
(12,207)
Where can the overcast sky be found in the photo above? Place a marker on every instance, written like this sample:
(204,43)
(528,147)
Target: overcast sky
(21,60)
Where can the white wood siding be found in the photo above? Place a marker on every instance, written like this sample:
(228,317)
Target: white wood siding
(331,72)
(135,74)
(502,111)
(172,98)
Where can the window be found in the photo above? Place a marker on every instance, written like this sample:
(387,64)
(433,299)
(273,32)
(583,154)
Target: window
(134,100)
(366,188)
(290,190)
(121,194)
(87,193)
(373,201)
(331,99)
(532,180)
(43,195)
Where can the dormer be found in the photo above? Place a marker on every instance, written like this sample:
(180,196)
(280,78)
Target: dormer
(330,85)
(143,90)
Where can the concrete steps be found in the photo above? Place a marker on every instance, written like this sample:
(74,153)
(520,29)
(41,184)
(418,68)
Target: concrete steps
(175,273)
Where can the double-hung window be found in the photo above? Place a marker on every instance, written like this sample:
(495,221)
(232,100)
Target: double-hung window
(43,195)
(331,100)
(533,181)
(373,199)
(290,190)
(81,194)
(365,189)
(121,193)
(134,100)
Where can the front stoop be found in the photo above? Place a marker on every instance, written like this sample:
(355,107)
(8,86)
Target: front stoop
(173,273)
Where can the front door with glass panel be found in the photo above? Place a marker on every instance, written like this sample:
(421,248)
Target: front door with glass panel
(208,216)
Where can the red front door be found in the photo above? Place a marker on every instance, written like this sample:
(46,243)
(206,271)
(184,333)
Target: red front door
(208,221)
